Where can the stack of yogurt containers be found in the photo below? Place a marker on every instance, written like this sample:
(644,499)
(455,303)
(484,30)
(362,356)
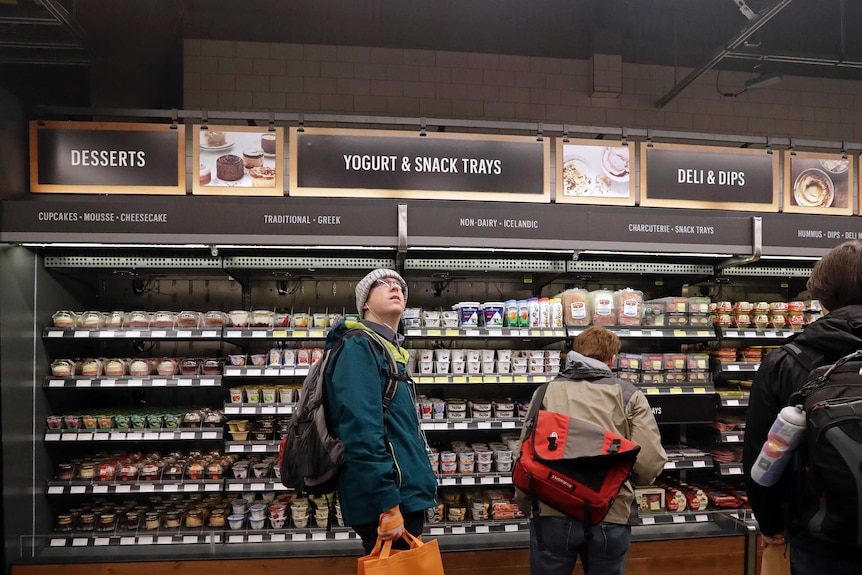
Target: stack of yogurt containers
(483,361)
(534,313)
(466,459)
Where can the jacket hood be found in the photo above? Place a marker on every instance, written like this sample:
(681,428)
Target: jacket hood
(582,367)
(836,334)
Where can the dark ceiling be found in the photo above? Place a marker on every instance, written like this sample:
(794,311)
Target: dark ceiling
(62,39)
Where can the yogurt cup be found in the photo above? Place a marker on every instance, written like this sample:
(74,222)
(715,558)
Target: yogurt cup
(458,367)
(236,520)
(493,313)
(457,355)
(442,366)
(441,354)
(468,313)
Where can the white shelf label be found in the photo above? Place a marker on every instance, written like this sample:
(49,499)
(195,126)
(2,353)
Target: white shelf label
(100,541)
(77,489)
(57,543)
(235,538)
(52,437)
(735,471)
(123,489)
(468,481)
(207,382)
(484,425)
(159,383)
(107,333)
(232,372)
(151,436)
(733,403)
(236,449)
(133,333)
(473,332)
(136,383)
(277,537)
(750,334)
(170,488)
(636,333)
(299,536)
(235,486)
(258,334)
(699,464)
(191,487)
(253,372)
(56,383)
(166,435)
(342,535)
(232,410)
(257,486)
(459,530)
(255,538)
(770,334)
(212,487)
(100,489)
(647,520)
(209,435)
(670,465)
(56,490)
(679,518)
(83,382)
(486,480)
(56,334)
(144,488)
(508,425)
(184,382)
(233,333)
(482,529)
(410,332)
(701,518)
(108,383)
(103,436)
(732,368)
(733,439)
(130,541)
(258,448)
(142,540)
(318,536)
(187,435)
(82,333)
(209,333)
(437,531)
(134,435)
(164,540)
(248,410)
(158,333)
(459,426)
(184,333)
(267,410)
(190,538)
(69,437)
(79,542)
(510,527)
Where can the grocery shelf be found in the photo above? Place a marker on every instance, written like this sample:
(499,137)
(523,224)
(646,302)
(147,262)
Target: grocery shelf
(686,332)
(183,433)
(275,333)
(486,332)
(265,371)
(683,389)
(80,381)
(132,333)
(258,408)
(251,446)
(261,484)
(475,479)
(752,333)
(500,526)
(112,540)
(739,366)
(674,518)
(732,468)
(733,401)
(136,486)
(456,424)
(732,436)
(485,378)
(701,462)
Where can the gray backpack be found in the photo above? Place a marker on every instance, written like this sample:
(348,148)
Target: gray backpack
(310,457)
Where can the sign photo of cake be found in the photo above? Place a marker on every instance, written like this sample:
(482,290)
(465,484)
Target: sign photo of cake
(238,161)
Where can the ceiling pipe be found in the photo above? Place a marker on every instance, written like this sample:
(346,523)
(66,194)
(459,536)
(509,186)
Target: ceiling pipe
(749,29)
(798,59)
(68,21)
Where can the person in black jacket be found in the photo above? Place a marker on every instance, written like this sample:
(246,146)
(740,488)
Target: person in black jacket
(837,282)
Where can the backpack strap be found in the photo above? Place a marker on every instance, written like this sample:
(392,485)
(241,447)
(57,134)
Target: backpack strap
(808,358)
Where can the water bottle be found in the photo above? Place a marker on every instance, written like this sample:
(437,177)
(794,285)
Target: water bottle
(784,436)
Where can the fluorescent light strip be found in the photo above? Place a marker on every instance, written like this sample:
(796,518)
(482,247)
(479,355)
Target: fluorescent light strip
(101,245)
(661,254)
(489,250)
(792,258)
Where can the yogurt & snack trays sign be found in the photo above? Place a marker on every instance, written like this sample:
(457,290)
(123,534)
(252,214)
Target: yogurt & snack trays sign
(709,177)
(396,164)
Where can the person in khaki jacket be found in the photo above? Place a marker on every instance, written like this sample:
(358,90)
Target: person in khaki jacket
(587,389)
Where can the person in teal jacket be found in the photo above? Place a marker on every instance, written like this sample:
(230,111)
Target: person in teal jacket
(382,491)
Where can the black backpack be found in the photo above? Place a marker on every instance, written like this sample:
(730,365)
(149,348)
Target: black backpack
(829,469)
(310,457)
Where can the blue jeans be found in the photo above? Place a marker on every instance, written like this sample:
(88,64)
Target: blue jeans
(804,562)
(563,539)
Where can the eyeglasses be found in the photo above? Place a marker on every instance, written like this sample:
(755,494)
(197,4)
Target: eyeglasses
(393,283)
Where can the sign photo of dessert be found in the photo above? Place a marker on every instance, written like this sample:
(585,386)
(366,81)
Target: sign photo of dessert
(594,172)
(238,161)
(816,183)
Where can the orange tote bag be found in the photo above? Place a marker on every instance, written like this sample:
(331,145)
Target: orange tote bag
(420,559)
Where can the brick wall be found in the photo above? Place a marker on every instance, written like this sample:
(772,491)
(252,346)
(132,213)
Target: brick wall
(237,76)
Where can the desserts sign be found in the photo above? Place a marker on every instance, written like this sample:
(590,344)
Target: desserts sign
(676,176)
(392,164)
(106,158)
(238,161)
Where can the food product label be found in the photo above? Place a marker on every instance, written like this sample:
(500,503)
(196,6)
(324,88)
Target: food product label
(578,310)
(631,308)
(604,306)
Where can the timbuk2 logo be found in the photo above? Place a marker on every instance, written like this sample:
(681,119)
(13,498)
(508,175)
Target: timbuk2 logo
(562,481)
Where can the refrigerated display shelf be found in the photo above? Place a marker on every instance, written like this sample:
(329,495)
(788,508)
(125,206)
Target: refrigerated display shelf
(486,332)
(474,479)
(701,462)
(135,435)
(684,389)
(275,333)
(251,446)
(682,332)
(732,468)
(258,408)
(80,381)
(735,436)
(733,400)
(266,371)
(132,333)
(739,366)
(138,486)
(484,378)
(470,424)
(674,518)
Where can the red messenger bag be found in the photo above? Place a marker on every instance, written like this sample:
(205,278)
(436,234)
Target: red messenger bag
(572,465)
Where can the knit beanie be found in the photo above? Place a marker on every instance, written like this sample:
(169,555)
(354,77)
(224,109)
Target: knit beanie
(365,284)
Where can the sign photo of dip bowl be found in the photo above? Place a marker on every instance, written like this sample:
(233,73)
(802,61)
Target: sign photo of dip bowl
(615,163)
(578,177)
(813,188)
